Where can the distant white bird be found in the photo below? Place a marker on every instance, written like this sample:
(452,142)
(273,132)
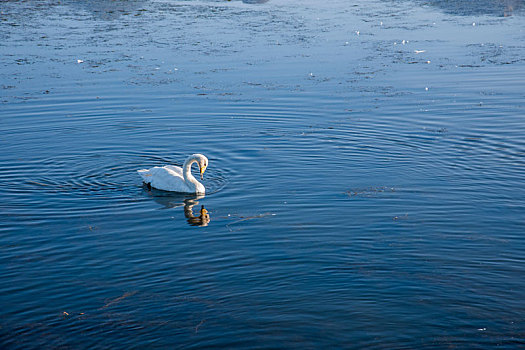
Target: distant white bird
(176,179)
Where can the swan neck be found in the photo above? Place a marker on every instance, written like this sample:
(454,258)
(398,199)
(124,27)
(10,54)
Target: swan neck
(186,171)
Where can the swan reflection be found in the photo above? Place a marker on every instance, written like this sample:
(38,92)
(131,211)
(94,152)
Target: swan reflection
(202,220)
(170,200)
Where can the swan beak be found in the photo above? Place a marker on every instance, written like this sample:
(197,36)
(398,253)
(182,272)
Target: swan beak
(203,169)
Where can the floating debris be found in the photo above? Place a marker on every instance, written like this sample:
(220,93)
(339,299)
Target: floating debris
(118,300)
(395,218)
(200,324)
(437,131)
(248,218)
(37,183)
(368,192)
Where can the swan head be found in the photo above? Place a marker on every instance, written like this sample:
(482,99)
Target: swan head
(202,161)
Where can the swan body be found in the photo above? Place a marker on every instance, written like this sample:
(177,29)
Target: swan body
(176,179)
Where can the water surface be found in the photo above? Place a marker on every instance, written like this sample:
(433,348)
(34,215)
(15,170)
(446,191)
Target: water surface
(365,187)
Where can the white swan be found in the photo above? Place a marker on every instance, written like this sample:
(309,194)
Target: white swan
(174,178)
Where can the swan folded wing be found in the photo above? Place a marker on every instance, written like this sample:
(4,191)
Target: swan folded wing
(174,168)
(164,178)
(159,172)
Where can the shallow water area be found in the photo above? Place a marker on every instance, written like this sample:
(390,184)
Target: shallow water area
(364,189)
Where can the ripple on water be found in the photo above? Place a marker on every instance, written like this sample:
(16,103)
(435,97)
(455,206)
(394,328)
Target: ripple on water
(97,181)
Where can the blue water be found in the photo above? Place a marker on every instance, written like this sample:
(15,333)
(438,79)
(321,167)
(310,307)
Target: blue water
(365,186)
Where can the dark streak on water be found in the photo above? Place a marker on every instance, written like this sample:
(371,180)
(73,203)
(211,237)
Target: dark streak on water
(365,188)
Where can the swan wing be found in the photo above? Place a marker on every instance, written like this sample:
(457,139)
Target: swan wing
(165,178)
(174,168)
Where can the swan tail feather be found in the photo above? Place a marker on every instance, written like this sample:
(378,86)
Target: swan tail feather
(145,174)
